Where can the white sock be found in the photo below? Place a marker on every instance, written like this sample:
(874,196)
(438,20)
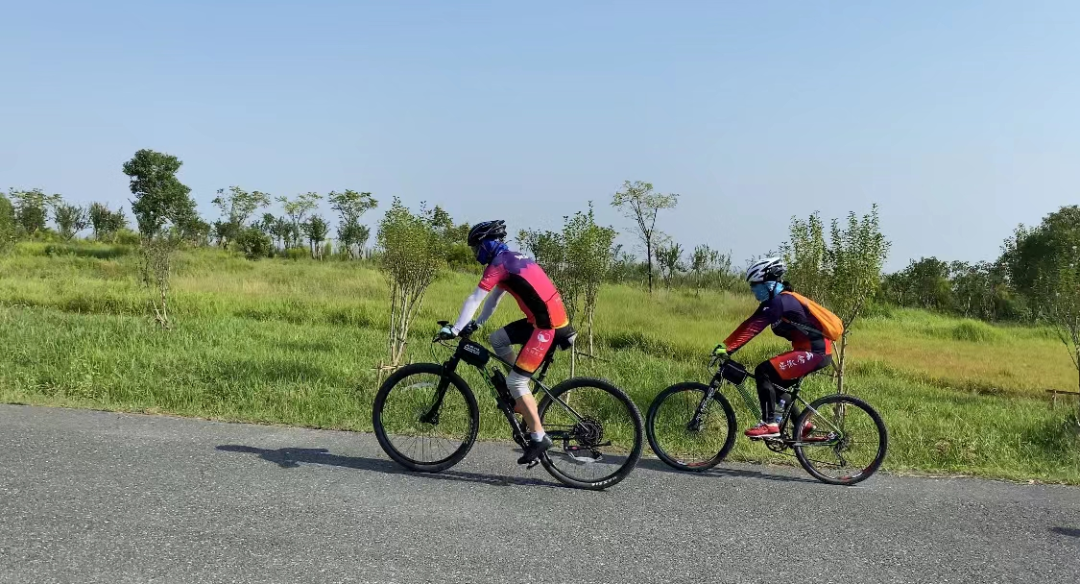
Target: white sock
(537,436)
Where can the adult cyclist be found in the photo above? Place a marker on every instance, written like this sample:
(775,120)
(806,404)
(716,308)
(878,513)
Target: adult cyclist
(789,319)
(544,325)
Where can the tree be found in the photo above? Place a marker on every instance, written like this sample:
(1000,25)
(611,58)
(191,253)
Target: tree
(411,257)
(254,243)
(1033,257)
(855,259)
(8,226)
(296,210)
(587,248)
(843,273)
(315,229)
(709,267)
(70,220)
(670,257)
(1064,306)
(164,210)
(104,222)
(805,256)
(353,237)
(640,204)
(32,209)
(351,206)
(235,206)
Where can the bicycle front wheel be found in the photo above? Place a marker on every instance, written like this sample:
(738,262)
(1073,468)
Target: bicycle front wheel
(597,431)
(845,441)
(415,428)
(685,439)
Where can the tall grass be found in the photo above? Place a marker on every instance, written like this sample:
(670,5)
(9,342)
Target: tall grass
(296,342)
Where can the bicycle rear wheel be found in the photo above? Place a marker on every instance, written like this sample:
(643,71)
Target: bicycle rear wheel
(412,430)
(682,442)
(597,445)
(847,442)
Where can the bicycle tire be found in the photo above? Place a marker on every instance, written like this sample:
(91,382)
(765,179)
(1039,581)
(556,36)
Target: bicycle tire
(380,430)
(869,470)
(632,457)
(674,462)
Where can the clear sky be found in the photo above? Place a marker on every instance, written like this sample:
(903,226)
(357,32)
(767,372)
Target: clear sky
(960,119)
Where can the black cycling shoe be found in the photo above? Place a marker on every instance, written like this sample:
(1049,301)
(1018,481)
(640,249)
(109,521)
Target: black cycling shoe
(534,449)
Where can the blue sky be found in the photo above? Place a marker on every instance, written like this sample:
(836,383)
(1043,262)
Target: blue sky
(960,119)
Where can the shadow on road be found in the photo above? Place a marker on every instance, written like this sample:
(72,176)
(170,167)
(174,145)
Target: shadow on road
(293,457)
(1066,531)
(720,471)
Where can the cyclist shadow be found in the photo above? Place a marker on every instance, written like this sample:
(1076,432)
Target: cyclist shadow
(721,471)
(294,457)
(1066,531)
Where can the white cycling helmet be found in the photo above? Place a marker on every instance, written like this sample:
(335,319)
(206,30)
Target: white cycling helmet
(766,270)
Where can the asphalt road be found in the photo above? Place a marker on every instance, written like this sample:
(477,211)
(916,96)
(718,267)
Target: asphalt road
(101,497)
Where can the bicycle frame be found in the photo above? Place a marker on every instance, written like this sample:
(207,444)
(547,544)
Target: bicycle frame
(718,381)
(504,400)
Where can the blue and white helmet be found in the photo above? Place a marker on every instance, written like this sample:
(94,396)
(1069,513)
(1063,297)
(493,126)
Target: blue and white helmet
(766,270)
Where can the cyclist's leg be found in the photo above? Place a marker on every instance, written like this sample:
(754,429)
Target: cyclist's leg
(765,374)
(793,366)
(515,333)
(529,360)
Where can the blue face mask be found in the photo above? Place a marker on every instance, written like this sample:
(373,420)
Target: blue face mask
(487,250)
(765,290)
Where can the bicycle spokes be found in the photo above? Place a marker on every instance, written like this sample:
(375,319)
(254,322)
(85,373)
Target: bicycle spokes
(842,440)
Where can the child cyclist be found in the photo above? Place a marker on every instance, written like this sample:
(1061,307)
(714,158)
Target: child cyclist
(545,323)
(790,317)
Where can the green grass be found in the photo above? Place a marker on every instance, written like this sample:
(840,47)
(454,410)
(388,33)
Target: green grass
(297,342)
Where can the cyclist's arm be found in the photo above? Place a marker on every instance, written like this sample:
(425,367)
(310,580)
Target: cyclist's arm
(765,315)
(469,309)
(490,305)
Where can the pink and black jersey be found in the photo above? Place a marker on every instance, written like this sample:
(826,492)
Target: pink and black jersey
(526,281)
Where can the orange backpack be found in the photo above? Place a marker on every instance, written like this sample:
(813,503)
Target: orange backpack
(831,326)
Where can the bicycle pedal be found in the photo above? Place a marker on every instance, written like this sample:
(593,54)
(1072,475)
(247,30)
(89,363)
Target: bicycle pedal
(532,464)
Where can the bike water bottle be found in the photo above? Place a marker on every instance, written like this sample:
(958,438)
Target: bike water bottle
(779,414)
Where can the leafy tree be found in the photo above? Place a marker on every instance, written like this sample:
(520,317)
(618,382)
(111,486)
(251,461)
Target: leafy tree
(856,255)
(640,204)
(805,256)
(296,210)
(236,205)
(70,220)
(710,268)
(1063,310)
(411,256)
(106,223)
(161,200)
(1033,257)
(353,237)
(316,229)
(32,209)
(670,257)
(8,226)
(164,210)
(844,272)
(587,248)
(351,206)
(924,283)
(254,243)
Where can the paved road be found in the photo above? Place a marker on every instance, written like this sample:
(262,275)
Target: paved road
(100,497)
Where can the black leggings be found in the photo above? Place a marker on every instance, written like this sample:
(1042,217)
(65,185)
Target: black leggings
(768,379)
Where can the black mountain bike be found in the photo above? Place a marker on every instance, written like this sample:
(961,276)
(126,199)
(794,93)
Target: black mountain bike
(426,417)
(691,426)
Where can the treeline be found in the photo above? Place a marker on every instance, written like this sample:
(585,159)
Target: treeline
(1026,283)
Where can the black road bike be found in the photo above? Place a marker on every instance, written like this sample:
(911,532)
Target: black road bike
(426,417)
(839,439)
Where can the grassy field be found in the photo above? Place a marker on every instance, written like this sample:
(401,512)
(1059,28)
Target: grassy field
(297,342)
